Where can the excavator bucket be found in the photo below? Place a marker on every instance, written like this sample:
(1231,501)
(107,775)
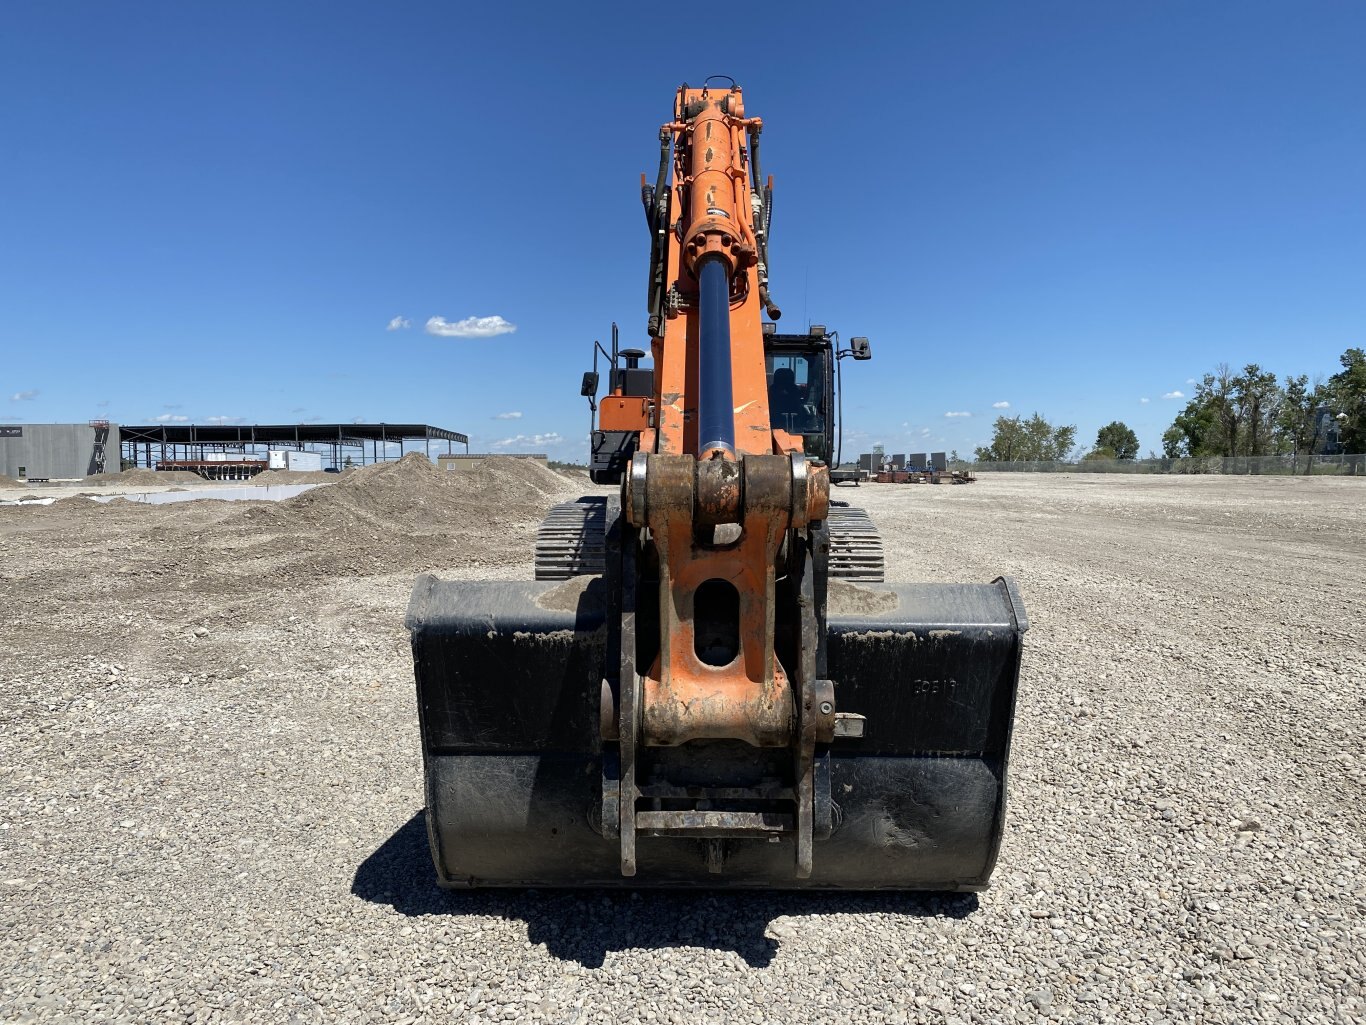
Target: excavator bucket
(518,685)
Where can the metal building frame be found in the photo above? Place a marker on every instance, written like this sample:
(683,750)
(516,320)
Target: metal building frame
(188,441)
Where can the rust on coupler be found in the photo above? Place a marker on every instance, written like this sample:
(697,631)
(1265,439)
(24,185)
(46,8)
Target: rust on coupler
(744,694)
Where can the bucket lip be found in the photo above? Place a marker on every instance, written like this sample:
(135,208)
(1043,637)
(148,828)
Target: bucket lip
(417,603)
(1017,609)
(925,606)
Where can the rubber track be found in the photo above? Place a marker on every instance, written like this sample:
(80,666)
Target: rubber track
(569,542)
(855,545)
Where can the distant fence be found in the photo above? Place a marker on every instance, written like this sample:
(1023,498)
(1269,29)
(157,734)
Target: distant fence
(1284,465)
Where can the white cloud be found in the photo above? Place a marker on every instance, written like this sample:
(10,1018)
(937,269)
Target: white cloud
(223,420)
(1191,380)
(299,409)
(170,418)
(513,415)
(1173,395)
(925,432)
(1145,400)
(952,415)
(470,327)
(399,324)
(24,396)
(528,441)
(1000,405)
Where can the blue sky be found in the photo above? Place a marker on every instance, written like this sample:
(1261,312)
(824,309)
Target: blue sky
(216,210)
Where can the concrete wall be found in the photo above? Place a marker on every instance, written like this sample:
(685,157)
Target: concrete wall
(55,451)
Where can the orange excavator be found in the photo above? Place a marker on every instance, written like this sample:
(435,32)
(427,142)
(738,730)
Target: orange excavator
(685,696)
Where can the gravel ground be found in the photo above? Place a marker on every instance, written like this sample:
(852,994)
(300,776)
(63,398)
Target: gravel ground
(210,779)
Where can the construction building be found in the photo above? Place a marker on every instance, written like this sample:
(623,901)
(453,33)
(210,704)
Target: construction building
(70,452)
(47,452)
(203,447)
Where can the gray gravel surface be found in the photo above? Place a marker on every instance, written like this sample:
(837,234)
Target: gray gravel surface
(210,785)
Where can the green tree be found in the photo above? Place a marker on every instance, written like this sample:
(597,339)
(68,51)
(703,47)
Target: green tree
(1298,421)
(1229,415)
(1346,394)
(1014,438)
(1197,429)
(1257,399)
(1119,439)
(1098,453)
(1006,442)
(1217,390)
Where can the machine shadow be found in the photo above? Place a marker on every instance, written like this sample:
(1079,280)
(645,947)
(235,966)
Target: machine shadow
(584,925)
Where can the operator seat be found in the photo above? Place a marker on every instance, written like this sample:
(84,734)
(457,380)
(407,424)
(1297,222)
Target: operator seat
(785,402)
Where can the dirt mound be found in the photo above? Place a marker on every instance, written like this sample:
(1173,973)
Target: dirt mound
(414,492)
(269,477)
(404,515)
(410,492)
(514,478)
(10,482)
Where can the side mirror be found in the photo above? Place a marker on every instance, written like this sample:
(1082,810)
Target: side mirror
(589,388)
(860,348)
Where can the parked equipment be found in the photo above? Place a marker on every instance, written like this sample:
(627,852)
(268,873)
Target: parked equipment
(697,704)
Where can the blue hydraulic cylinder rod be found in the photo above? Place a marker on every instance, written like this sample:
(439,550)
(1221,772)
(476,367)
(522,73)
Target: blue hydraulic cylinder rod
(715,396)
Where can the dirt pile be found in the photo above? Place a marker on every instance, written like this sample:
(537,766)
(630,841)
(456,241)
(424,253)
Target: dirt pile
(405,515)
(10,482)
(414,493)
(272,477)
(515,479)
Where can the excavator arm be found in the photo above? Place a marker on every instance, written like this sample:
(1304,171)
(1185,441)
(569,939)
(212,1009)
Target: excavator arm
(696,704)
(727,503)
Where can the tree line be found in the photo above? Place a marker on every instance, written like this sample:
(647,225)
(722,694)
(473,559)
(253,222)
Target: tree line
(1247,413)
(1015,438)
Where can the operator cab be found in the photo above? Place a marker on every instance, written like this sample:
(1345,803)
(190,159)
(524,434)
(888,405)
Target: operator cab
(799,391)
(802,372)
(801,384)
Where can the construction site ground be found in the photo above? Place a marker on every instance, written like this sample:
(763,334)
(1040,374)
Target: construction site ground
(211,798)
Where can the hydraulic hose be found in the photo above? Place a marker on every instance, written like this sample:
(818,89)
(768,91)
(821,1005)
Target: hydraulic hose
(715,400)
